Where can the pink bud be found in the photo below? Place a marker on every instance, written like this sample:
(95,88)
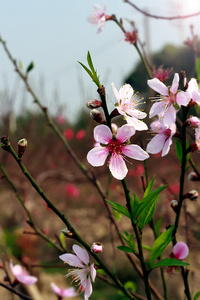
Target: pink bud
(193,122)
(180,250)
(97,247)
(193,176)
(192,195)
(80,134)
(71,190)
(69,134)
(93,104)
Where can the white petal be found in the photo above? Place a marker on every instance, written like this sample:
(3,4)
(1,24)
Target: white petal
(71,260)
(175,82)
(183,98)
(88,288)
(192,86)
(136,113)
(118,167)
(156,144)
(125,93)
(81,253)
(196,97)
(169,115)
(102,134)
(93,272)
(158,86)
(97,156)
(116,93)
(166,147)
(125,132)
(137,124)
(135,152)
(158,108)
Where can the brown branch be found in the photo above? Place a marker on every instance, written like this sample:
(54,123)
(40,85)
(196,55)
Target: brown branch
(14,291)
(161,17)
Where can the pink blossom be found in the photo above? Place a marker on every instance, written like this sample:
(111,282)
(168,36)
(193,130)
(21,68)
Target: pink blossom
(194,90)
(71,190)
(193,121)
(60,119)
(180,250)
(127,106)
(138,172)
(114,146)
(70,292)
(97,247)
(163,138)
(80,135)
(131,37)
(84,272)
(98,16)
(166,105)
(21,275)
(69,134)
(161,73)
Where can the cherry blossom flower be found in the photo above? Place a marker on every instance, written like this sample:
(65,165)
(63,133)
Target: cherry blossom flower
(163,139)
(21,275)
(161,73)
(131,37)
(170,99)
(70,292)
(98,16)
(84,272)
(127,106)
(114,146)
(193,90)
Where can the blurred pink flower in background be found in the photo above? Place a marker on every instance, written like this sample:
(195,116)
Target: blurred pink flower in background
(21,275)
(60,119)
(161,73)
(69,134)
(69,292)
(138,172)
(98,16)
(80,134)
(71,190)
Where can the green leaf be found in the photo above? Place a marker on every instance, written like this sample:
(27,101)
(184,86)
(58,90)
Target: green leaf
(146,247)
(30,67)
(86,69)
(21,65)
(117,215)
(197,67)
(147,214)
(179,150)
(125,249)
(149,200)
(90,63)
(63,240)
(157,226)
(131,286)
(135,206)
(129,240)
(120,208)
(149,188)
(170,262)
(197,295)
(160,244)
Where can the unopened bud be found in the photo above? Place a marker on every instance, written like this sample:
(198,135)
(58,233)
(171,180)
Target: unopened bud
(93,104)
(97,247)
(193,121)
(174,205)
(22,144)
(114,128)
(67,232)
(192,195)
(96,115)
(193,176)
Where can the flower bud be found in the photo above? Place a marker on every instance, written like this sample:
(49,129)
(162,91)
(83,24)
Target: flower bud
(193,121)
(114,128)
(174,205)
(192,195)
(97,247)
(93,104)
(22,144)
(67,232)
(96,115)
(193,176)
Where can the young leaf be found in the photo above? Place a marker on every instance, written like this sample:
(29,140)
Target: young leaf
(196,296)
(159,245)
(120,208)
(30,67)
(90,63)
(179,150)
(157,226)
(170,262)
(86,69)
(147,214)
(149,188)
(135,205)
(125,249)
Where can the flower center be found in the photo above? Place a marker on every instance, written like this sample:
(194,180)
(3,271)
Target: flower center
(115,146)
(172,98)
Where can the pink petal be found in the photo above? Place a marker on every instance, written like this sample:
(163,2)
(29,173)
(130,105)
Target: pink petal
(118,167)
(156,144)
(169,115)
(102,134)
(183,98)
(196,97)
(136,113)
(180,250)
(125,132)
(158,108)
(192,86)
(175,82)
(16,270)
(137,124)
(88,288)
(81,253)
(97,156)
(26,279)
(71,260)
(56,289)
(116,93)
(158,86)
(166,146)
(70,292)
(135,152)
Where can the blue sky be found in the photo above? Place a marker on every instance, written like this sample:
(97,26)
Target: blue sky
(56,34)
